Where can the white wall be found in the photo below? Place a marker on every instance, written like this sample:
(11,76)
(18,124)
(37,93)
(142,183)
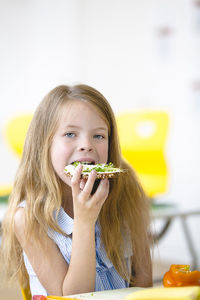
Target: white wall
(124,56)
(39,50)
(116,46)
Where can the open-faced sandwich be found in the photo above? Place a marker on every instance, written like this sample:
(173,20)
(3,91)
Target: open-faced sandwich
(103,170)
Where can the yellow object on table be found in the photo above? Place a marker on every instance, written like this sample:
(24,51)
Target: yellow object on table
(174,293)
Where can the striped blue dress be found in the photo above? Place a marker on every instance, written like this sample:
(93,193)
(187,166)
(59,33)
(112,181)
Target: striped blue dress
(106,276)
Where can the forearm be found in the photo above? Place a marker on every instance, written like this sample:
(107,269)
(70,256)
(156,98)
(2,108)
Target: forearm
(81,273)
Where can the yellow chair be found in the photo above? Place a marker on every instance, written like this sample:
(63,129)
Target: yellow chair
(15,132)
(5,190)
(143,136)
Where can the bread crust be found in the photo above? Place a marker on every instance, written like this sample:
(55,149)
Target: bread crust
(99,175)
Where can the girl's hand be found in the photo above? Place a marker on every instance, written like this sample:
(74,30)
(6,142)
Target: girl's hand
(86,206)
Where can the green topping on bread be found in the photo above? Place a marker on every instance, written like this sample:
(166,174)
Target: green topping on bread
(103,170)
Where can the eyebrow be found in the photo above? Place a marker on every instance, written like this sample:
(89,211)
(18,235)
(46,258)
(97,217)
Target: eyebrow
(78,127)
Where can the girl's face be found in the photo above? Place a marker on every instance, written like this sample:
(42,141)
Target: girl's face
(81,135)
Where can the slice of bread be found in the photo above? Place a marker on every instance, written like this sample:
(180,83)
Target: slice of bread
(103,170)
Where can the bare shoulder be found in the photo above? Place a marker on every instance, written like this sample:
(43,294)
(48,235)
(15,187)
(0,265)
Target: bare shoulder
(19,218)
(19,224)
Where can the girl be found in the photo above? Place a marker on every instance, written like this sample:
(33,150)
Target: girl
(57,235)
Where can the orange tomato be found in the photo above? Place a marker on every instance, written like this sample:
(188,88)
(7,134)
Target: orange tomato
(181,275)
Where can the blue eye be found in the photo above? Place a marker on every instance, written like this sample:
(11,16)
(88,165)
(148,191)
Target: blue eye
(70,134)
(98,136)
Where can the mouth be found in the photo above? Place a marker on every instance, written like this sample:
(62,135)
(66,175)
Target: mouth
(84,162)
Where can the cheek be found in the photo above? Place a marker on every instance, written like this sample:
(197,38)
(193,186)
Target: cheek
(58,148)
(66,179)
(57,155)
(104,152)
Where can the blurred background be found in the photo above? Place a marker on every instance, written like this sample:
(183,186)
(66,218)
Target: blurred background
(141,54)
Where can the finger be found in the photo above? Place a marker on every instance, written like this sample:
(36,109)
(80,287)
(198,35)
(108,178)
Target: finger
(82,183)
(89,183)
(102,192)
(75,182)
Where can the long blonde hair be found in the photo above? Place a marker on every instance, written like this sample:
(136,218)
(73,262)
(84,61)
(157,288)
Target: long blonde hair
(126,209)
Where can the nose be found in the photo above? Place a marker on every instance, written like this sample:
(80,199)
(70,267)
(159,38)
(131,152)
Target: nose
(85,145)
(85,149)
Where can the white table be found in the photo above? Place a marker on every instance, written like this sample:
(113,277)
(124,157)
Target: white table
(118,294)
